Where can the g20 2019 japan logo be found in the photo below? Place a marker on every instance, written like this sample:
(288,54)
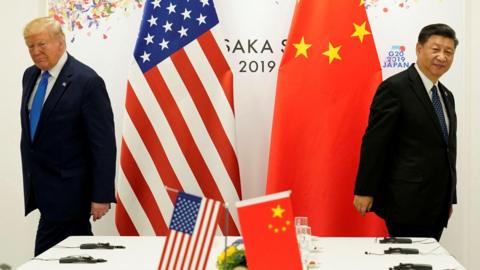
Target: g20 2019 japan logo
(396,58)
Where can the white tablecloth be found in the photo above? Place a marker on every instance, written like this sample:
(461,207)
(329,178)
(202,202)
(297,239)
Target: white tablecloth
(143,253)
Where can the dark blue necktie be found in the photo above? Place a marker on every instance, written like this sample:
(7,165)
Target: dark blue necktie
(37,103)
(437,105)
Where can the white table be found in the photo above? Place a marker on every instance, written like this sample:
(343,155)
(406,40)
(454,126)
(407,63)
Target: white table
(349,254)
(143,253)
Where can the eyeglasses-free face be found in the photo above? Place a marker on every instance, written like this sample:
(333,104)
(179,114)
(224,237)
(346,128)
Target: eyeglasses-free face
(45,49)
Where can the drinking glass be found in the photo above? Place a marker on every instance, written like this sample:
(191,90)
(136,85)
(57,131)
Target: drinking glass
(304,237)
(301,221)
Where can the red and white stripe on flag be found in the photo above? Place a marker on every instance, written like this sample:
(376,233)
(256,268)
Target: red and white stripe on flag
(179,122)
(192,230)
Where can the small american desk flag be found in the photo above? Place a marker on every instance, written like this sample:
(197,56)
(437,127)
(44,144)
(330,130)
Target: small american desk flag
(192,230)
(179,121)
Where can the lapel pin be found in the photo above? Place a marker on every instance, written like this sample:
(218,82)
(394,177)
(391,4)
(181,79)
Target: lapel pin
(64,84)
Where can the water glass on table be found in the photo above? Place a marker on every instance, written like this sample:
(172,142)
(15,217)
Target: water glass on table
(304,237)
(301,221)
(304,232)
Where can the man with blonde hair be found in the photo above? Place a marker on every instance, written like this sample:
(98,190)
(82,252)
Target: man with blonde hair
(67,141)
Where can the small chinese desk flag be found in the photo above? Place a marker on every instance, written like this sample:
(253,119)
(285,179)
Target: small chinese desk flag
(269,232)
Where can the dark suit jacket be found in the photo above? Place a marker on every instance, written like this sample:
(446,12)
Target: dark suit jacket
(71,161)
(405,163)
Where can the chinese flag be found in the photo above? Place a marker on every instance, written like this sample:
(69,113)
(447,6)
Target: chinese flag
(269,233)
(327,79)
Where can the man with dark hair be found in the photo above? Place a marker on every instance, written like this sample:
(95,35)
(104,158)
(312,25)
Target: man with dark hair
(407,171)
(68,139)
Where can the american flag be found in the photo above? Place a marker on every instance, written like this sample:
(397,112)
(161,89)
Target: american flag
(179,120)
(192,229)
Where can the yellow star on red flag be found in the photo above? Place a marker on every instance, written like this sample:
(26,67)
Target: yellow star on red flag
(332,52)
(360,31)
(278,211)
(302,48)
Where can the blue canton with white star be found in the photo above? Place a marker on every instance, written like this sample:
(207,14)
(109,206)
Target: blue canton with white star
(185,213)
(169,25)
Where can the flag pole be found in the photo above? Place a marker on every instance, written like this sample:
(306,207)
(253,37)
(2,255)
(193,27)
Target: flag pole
(171,189)
(226,236)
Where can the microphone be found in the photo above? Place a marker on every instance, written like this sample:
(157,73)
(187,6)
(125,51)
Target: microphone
(411,266)
(80,259)
(401,251)
(99,246)
(395,240)
(5,266)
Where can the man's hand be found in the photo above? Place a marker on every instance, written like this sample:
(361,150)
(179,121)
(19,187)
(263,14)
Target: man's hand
(363,203)
(98,210)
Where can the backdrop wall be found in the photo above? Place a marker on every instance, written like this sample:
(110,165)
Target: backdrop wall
(254,97)
(17,233)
